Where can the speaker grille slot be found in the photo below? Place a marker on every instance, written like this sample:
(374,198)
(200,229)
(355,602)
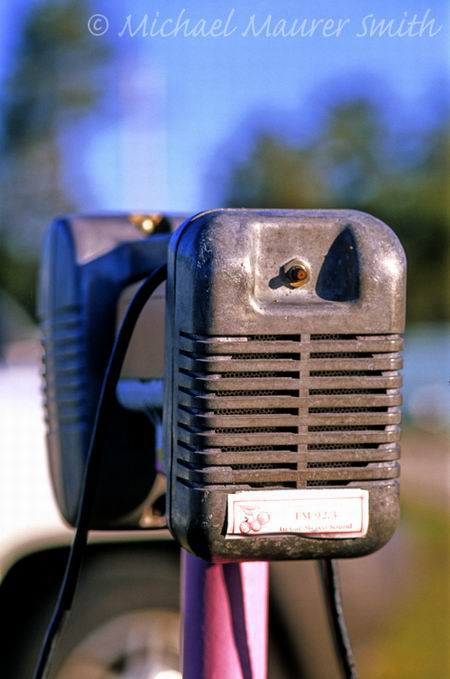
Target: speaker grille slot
(288,410)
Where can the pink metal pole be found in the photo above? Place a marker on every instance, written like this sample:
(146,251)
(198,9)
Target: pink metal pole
(224,619)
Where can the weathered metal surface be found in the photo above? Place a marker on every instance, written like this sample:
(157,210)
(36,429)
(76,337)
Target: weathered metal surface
(273,386)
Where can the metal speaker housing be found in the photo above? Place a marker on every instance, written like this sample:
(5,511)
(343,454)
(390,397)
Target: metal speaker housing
(87,263)
(284,333)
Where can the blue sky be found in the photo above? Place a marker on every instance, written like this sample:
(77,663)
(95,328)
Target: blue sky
(181,99)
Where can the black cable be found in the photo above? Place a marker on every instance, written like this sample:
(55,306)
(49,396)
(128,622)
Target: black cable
(330,580)
(91,471)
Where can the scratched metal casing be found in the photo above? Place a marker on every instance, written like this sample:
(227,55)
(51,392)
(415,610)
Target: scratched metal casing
(283,365)
(87,262)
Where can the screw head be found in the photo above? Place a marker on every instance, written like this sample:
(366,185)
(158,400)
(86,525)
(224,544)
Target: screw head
(296,273)
(146,224)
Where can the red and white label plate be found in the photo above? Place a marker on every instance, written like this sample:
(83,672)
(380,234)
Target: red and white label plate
(324,513)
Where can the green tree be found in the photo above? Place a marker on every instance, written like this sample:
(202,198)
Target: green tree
(54,82)
(356,161)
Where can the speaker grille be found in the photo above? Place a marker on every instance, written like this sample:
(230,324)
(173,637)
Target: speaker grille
(63,363)
(288,410)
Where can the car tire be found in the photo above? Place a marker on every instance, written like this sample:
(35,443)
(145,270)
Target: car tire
(126,606)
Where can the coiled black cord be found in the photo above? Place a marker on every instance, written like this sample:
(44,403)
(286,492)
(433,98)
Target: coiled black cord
(91,471)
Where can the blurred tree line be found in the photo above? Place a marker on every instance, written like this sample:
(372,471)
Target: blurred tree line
(354,160)
(53,83)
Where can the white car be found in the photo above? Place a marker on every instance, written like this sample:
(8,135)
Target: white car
(125,620)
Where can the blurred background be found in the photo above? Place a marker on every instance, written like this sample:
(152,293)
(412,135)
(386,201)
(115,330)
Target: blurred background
(118,123)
